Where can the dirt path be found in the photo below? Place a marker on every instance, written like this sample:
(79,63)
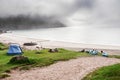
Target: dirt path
(74,69)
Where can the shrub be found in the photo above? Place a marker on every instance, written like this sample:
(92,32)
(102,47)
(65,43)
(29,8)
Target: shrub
(19,60)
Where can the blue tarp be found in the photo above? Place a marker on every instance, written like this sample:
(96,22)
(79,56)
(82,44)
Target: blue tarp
(14,49)
(93,52)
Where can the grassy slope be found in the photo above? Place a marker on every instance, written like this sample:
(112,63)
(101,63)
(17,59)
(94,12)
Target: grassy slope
(105,73)
(43,59)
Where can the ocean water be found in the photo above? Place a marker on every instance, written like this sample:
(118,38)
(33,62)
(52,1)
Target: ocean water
(79,34)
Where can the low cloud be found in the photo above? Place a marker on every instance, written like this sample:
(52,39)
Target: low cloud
(98,12)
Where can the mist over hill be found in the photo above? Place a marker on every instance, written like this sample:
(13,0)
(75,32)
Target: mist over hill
(28,22)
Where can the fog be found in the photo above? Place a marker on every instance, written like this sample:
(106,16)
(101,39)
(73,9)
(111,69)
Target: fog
(54,8)
(66,12)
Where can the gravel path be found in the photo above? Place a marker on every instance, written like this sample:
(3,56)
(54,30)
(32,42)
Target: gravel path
(74,69)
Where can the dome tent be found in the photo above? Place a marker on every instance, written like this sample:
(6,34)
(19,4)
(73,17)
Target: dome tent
(14,49)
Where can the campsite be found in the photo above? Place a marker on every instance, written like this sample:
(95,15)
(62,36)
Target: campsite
(59,39)
(40,58)
(43,59)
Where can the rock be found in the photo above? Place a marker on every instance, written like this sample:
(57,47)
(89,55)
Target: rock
(30,44)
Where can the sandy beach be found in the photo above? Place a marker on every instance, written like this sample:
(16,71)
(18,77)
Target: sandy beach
(11,38)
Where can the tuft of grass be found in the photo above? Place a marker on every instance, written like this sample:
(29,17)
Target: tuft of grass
(25,68)
(114,56)
(4,75)
(8,71)
(105,73)
(3,46)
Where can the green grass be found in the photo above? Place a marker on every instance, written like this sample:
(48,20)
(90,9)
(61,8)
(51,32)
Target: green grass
(3,46)
(105,73)
(114,56)
(44,58)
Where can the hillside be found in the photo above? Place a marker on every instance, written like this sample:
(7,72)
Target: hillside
(28,22)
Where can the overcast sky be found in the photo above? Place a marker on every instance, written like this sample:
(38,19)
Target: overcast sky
(74,12)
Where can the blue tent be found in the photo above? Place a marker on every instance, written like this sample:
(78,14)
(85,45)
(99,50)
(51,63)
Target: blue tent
(14,49)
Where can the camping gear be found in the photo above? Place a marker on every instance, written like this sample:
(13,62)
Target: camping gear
(93,52)
(104,54)
(14,49)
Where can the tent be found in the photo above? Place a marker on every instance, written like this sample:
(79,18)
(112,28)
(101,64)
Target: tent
(14,49)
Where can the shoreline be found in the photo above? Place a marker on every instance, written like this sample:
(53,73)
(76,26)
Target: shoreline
(8,38)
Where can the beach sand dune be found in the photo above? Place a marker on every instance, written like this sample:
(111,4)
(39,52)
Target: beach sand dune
(74,69)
